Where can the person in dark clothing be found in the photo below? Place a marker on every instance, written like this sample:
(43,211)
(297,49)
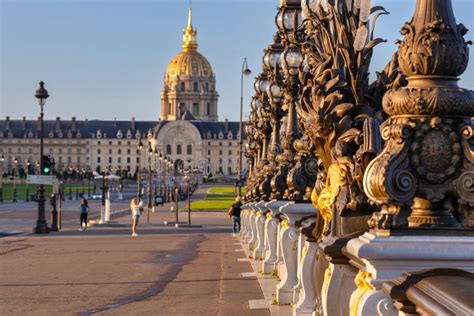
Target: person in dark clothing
(84,212)
(234,213)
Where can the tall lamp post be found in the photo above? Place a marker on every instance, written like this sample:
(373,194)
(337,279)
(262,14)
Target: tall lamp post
(41,226)
(27,192)
(2,160)
(15,162)
(245,71)
(187,180)
(150,205)
(139,147)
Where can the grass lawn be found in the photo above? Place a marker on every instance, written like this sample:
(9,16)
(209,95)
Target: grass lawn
(217,198)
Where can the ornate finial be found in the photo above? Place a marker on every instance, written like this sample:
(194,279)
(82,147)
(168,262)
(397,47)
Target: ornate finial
(189,37)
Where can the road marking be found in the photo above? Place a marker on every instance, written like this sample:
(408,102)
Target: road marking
(249,274)
(258,304)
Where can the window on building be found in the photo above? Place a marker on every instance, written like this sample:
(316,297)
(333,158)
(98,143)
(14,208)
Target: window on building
(119,151)
(110,142)
(128,143)
(69,159)
(195,87)
(208,143)
(110,151)
(178,149)
(128,159)
(78,160)
(119,159)
(196,109)
(110,159)
(128,151)
(207,86)
(189,149)
(98,151)
(119,143)
(230,152)
(208,109)
(229,170)
(183,86)
(230,143)
(220,144)
(208,151)
(168,149)
(220,152)
(138,160)
(69,150)
(98,142)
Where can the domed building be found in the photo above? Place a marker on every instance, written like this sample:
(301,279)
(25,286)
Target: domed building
(189,82)
(188,131)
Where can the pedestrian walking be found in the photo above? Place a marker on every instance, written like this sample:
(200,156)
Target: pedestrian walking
(84,213)
(136,206)
(234,213)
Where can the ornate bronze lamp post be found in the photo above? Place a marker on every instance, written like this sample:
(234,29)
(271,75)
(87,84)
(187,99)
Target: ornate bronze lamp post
(41,226)
(424,176)
(150,176)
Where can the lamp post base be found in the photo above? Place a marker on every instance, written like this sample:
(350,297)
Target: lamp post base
(54,221)
(41,228)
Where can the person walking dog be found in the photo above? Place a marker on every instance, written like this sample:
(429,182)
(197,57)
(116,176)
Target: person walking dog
(84,213)
(136,207)
(234,213)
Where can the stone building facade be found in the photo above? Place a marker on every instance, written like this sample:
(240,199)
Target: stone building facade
(188,130)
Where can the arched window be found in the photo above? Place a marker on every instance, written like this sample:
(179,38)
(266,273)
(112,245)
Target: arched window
(189,149)
(183,87)
(178,149)
(196,109)
(207,86)
(208,109)
(195,87)
(168,149)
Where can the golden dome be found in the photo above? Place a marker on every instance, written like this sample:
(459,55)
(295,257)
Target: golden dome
(189,63)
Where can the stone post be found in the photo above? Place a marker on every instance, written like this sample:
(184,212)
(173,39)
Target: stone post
(271,236)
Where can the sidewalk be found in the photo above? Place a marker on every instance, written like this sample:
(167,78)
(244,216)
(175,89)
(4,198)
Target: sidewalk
(105,271)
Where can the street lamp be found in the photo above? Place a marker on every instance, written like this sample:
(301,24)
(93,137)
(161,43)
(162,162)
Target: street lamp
(245,71)
(187,180)
(2,160)
(41,226)
(27,192)
(15,162)
(139,147)
(150,154)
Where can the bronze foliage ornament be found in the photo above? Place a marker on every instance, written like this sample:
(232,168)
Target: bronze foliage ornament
(425,175)
(339,114)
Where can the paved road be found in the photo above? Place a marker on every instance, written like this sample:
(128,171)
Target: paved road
(105,271)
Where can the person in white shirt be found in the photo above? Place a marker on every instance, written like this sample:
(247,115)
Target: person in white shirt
(136,207)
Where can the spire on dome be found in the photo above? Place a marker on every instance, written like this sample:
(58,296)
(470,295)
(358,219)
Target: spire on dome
(189,37)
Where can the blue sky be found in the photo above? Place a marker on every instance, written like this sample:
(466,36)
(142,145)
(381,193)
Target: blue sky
(105,59)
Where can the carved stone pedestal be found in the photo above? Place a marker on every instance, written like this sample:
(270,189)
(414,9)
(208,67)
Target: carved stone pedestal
(271,236)
(289,246)
(382,258)
(244,231)
(259,250)
(252,228)
(307,299)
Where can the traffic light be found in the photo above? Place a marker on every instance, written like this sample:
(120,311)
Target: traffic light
(46,167)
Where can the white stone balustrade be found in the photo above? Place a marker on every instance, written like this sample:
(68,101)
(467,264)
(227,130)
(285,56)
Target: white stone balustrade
(289,246)
(259,250)
(387,257)
(271,236)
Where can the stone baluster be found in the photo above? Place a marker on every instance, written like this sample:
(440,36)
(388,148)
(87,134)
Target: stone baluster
(294,212)
(259,250)
(271,236)
(252,228)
